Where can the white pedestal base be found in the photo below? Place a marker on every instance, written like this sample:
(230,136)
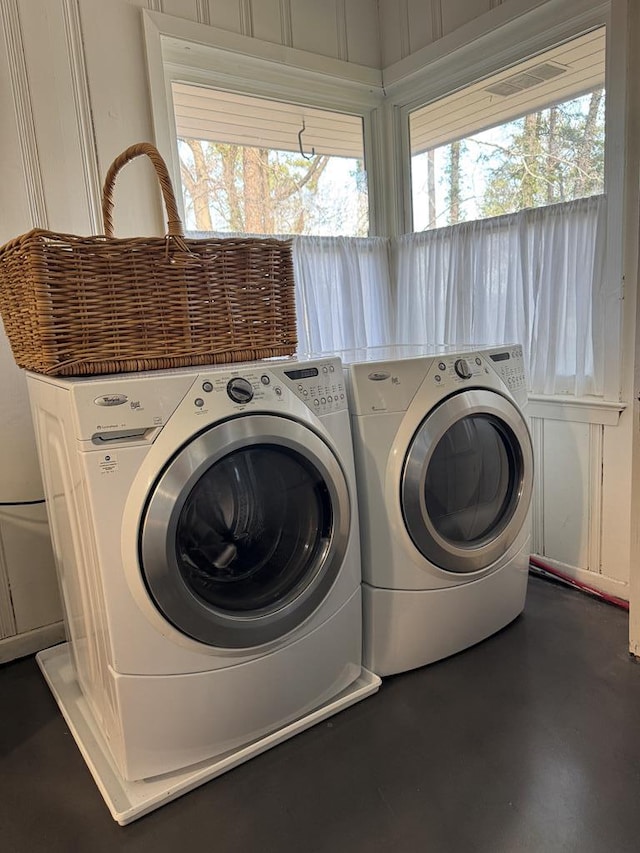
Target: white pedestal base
(130,800)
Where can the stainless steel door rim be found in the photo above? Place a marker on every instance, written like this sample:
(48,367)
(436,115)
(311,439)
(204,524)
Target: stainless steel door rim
(159,526)
(509,422)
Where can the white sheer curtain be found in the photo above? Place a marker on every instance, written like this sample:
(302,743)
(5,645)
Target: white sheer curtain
(343,294)
(534,277)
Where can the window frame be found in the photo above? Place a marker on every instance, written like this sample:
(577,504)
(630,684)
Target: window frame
(475,52)
(185,52)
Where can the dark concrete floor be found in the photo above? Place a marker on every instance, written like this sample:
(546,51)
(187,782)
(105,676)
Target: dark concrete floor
(530,741)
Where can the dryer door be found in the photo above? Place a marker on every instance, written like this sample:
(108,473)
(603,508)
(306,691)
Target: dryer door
(245,531)
(467,481)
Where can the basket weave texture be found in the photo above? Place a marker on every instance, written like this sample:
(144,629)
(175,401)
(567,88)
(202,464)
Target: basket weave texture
(90,305)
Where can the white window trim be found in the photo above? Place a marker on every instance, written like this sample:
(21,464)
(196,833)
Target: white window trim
(187,52)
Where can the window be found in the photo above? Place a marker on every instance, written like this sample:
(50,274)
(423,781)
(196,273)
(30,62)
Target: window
(527,137)
(257,166)
(507,181)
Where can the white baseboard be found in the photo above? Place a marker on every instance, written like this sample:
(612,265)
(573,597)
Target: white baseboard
(599,582)
(30,642)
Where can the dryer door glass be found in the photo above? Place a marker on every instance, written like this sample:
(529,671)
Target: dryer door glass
(471,480)
(467,481)
(245,531)
(254,529)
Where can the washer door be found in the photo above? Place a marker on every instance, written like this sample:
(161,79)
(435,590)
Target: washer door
(245,531)
(467,481)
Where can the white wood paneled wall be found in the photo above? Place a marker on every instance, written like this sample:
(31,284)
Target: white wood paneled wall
(572,525)
(406,26)
(341,29)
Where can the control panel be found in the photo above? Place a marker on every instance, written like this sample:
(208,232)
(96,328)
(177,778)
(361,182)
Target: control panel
(320,385)
(507,362)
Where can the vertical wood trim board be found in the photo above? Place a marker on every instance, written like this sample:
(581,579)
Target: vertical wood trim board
(84,116)
(596,465)
(286,28)
(537,500)
(7,619)
(436,19)
(23,107)
(246,18)
(341,30)
(203,14)
(405,28)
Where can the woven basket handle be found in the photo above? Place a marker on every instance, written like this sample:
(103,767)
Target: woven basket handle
(174,223)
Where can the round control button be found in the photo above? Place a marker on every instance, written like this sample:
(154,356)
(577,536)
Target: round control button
(278,391)
(325,369)
(207,387)
(199,402)
(438,378)
(478,361)
(316,402)
(265,379)
(331,368)
(329,399)
(323,400)
(305,393)
(442,366)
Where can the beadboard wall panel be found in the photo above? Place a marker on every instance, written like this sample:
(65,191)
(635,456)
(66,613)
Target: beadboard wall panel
(566,497)
(121,110)
(272,21)
(617,483)
(457,13)
(314,26)
(424,22)
(341,29)
(363,32)
(51,44)
(26,545)
(579,524)
(407,26)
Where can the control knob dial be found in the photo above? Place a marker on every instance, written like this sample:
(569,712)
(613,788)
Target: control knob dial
(240,390)
(462,368)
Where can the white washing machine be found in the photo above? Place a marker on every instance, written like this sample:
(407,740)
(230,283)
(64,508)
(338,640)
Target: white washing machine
(444,465)
(205,528)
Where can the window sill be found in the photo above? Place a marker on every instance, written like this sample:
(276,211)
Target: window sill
(578,409)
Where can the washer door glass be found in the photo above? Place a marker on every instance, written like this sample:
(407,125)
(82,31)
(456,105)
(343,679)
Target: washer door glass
(245,531)
(252,527)
(467,482)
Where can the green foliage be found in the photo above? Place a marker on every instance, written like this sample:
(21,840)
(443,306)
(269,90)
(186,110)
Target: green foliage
(545,157)
(554,155)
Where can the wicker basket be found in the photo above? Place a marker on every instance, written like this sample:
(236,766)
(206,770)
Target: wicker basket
(88,305)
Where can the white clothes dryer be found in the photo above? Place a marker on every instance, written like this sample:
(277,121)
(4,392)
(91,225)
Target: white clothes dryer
(205,527)
(444,465)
